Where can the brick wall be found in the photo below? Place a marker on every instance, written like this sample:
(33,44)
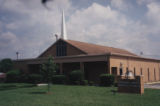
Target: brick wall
(140,67)
(71,50)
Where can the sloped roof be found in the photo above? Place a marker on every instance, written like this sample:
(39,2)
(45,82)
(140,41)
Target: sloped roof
(97,49)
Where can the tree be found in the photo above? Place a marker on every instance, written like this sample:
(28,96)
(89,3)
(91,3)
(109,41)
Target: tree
(6,65)
(49,70)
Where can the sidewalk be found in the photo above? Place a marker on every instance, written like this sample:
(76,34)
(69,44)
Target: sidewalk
(154,85)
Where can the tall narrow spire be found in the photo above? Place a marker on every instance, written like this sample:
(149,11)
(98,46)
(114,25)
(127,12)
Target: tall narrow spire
(63,27)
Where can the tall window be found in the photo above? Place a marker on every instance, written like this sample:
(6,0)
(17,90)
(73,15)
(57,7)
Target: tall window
(154,74)
(120,71)
(141,72)
(127,69)
(61,48)
(134,71)
(114,70)
(148,75)
(159,73)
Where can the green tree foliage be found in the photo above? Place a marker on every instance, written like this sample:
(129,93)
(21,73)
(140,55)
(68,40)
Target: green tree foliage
(49,70)
(6,65)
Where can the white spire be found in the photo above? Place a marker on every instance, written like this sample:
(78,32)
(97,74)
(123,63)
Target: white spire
(63,27)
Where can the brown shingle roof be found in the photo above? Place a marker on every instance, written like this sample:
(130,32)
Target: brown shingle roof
(97,49)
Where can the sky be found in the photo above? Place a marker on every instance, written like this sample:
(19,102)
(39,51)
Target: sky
(28,27)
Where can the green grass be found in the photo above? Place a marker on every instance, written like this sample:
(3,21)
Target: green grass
(64,95)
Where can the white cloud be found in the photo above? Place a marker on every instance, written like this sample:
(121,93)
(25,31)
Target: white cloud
(7,38)
(121,4)
(103,25)
(8,44)
(98,21)
(144,2)
(32,33)
(153,12)
(86,21)
(34,26)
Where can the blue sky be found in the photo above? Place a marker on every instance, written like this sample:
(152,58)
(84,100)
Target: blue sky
(28,27)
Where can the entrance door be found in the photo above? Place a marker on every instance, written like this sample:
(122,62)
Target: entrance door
(114,70)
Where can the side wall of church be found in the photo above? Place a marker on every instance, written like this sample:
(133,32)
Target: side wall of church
(21,65)
(148,68)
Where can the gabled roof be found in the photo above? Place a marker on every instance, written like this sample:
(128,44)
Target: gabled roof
(97,49)
(93,49)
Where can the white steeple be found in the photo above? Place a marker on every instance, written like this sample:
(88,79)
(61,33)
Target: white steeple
(63,27)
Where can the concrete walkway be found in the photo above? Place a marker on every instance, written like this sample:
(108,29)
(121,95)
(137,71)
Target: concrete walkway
(154,85)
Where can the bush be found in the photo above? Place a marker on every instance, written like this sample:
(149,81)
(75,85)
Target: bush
(106,79)
(59,79)
(35,78)
(75,76)
(76,82)
(13,76)
(84,82)
(91,83)
(24,78)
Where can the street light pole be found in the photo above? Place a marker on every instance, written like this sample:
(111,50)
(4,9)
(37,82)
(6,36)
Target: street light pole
(17,53)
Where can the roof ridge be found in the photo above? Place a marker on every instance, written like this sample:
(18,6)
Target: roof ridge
(100,47)
(97,45)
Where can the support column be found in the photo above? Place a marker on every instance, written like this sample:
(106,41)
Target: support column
(61,68)
(82,66)
(82,69)
(109,65)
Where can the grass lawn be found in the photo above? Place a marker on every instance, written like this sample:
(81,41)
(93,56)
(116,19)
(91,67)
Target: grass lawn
(64,95)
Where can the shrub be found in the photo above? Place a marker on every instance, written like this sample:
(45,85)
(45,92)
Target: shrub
(13,76)
(24,78)
(59,79)
(76,75)
(84,82)
(76,82)
(106,79)
(35,78)
(91,83)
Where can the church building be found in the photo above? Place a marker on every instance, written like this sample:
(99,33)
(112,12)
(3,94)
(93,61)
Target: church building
(92,59)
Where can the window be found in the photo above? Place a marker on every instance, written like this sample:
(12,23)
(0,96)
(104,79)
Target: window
(148,75)
(120,71)
(141,72)
(159,73)
(154,74)
(114,70)
(61,48)
(127,69)
(134,71)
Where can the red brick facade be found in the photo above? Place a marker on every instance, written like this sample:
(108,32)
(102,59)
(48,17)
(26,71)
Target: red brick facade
(94,60)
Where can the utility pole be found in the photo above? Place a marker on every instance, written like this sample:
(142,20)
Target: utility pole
(141,53)
(56,37)
(17,53)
